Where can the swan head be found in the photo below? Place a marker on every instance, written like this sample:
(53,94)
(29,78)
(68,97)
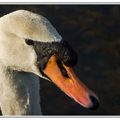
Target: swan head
(17,30)
(30,43)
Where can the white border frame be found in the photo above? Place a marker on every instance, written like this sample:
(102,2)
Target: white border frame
(61,2)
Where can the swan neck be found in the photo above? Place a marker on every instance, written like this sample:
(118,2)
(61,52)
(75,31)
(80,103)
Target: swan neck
(19,92)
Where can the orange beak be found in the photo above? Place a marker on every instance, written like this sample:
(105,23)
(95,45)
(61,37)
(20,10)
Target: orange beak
(71,85)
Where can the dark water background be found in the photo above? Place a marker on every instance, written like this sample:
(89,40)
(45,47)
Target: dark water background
(94,32)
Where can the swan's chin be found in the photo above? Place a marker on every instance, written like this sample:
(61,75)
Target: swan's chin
(69,83)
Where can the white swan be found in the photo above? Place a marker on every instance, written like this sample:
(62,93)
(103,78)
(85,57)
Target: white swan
(30,47)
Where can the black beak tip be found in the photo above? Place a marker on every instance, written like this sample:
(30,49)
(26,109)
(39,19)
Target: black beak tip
(95,103)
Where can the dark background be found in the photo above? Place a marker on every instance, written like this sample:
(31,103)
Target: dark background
(94,32)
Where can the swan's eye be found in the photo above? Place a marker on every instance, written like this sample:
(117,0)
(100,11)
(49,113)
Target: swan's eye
(29,42)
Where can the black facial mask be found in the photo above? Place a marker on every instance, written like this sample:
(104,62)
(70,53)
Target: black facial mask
(45,50)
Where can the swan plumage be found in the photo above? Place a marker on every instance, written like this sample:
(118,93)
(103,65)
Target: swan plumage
(14,29)
(19,63)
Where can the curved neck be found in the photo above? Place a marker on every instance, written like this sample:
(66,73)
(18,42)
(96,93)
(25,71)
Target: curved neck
(19,93)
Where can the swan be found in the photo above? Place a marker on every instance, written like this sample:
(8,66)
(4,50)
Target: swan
(31,48)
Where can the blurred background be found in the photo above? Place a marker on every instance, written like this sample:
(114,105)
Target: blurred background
(94,33)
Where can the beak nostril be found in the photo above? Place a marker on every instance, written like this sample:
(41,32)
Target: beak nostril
(62,69)
(95,103)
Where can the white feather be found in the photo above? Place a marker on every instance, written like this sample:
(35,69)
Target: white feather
(19,91)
